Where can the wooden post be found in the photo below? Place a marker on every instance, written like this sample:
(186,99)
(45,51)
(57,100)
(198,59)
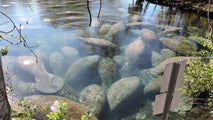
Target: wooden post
(171,89)
(170,93)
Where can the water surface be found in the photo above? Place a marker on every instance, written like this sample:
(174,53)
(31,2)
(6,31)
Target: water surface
(50,27)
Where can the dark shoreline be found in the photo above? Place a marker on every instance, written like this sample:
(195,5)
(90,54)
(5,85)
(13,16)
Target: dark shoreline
(198,8)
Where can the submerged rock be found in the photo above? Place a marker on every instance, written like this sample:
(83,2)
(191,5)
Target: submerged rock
(104,29)
(135,32)
(20,82)
(128,70)
(101,46)
(68,92)
(74,109)
(153,87)
(148,35)
(134,51)
(167,53)
(98,42)
(125,96)
(114,30)
(95,100)
(170,43)
(79,74)
(170,29)
(44,57)
(135,18)
(24,88)
(45,82)
(49,83)
(147,75)
(70,53)
(140,24)
(156,58)
(57,63)
(119,59)
(108,71)
(186,47)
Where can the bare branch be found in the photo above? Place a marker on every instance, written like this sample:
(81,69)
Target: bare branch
(90,16)
(10,21)
(21,37)
(99,12)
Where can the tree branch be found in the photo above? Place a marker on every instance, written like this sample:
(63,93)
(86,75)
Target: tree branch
(21,38)
(99,12)
(90,16)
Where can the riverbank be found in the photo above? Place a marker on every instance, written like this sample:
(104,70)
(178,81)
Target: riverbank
(200,8)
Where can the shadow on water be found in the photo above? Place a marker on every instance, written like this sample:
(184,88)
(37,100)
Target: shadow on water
(169,16)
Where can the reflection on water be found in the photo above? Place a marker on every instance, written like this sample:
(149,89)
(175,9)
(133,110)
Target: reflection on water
(127,40)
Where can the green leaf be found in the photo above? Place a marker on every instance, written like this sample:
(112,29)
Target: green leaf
(4,51)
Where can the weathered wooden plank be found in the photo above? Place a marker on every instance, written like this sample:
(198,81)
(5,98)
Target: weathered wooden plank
(168,75)
(160,102)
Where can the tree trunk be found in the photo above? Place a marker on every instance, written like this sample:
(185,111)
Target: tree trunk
(5,109)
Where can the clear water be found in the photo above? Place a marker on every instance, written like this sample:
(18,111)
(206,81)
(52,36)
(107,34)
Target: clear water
(48,26)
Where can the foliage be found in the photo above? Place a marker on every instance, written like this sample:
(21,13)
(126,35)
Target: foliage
(86,116)
(26,112)
(207,46)
(198,76)
(4,51)
(59,111)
